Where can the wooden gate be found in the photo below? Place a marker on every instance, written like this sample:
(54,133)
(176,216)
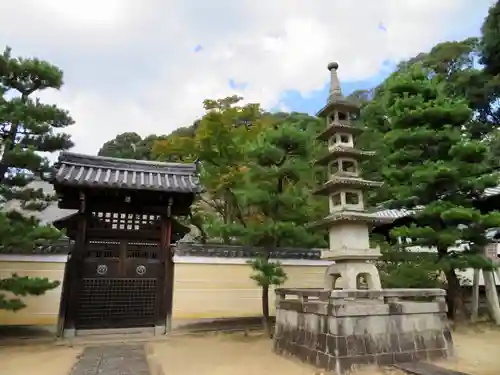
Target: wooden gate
(120,285)
(120,272)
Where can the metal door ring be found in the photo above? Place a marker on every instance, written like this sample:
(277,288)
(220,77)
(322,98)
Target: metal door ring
(140,270)
(102,269)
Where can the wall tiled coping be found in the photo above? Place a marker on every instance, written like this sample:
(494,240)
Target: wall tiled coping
(178,259)
(233,251)
(195,250)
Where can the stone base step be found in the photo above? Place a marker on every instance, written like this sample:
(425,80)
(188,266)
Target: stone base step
(425,368)
(115,331)
(109,336)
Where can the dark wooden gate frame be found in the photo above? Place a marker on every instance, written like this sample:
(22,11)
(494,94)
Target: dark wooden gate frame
(83,182)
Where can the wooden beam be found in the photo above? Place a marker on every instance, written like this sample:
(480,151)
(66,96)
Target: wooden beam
(74,270)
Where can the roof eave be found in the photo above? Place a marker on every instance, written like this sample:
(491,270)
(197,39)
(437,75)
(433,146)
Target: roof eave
(93,161)
(331,129)
(331,220)
(344,104)
(329,186)
(324,160)
(122,187)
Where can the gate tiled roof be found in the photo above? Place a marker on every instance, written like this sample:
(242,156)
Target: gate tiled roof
(105,172)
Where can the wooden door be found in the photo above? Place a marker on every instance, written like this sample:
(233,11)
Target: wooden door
(120,286)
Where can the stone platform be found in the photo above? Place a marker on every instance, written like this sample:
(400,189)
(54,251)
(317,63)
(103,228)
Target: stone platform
(341,330)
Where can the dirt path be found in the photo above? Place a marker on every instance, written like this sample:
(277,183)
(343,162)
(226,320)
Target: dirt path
(477,353)
(37,360)
(229,355)
(224,355)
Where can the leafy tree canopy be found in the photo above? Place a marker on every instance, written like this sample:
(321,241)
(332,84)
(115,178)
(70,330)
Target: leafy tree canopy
(129,146)
(490,44)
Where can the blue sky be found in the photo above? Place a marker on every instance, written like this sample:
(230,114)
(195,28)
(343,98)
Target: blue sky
(315,100)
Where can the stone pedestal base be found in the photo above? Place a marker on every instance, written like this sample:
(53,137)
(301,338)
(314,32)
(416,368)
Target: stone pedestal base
(371,327)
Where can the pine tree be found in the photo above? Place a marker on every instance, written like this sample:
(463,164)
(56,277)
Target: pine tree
(436,167)
(275,193)
(27,127)
(490,43)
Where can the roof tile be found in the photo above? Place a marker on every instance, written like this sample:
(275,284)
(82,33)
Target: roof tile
(98,171)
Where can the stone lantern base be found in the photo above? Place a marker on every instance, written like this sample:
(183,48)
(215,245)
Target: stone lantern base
(342,330)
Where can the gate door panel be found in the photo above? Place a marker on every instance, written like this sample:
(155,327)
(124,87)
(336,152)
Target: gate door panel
(120,285)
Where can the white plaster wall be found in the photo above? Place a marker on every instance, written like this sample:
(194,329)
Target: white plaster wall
(204,287)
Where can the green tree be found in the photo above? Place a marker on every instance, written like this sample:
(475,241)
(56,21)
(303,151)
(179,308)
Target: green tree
(455,64)
(490,44)
(22,286)
(434,166)
(266,274)
(402,268)
(129,146)
(274,195)
(218,144)
(27,127)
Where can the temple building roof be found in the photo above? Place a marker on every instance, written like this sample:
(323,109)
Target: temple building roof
(104,172)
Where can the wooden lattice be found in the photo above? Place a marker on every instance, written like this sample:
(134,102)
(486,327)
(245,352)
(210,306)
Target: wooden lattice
(106,302)
(124,221)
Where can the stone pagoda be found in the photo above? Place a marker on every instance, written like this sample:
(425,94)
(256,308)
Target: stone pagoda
(341,330)
(348,222)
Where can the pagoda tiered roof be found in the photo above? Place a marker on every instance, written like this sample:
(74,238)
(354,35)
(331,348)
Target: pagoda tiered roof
(336,127)
(343,216)
(339,151)
(339,181)
(338,102)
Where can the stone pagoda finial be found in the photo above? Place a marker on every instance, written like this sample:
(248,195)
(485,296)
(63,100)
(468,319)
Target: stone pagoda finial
(335,90)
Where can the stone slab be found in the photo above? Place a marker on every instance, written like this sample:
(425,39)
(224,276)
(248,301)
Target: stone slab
(342,335)
(112,360)
(423,368)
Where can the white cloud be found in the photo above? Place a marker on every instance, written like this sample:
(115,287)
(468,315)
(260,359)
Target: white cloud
(132,66)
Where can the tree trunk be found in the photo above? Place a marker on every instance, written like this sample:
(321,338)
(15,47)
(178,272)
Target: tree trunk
(9,142)
(265,310)
(475,296)
(225,237)
(453,293)
(3,170)
(492,296)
